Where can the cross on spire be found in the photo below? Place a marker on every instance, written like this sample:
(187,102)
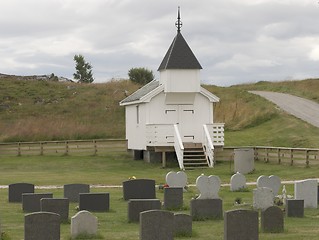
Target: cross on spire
(178,23)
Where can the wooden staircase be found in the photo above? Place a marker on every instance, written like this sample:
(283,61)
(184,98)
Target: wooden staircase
(194,156)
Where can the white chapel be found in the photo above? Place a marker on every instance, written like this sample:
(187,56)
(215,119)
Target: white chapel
(173,117)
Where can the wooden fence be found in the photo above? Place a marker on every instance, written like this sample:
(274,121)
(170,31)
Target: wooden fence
(280,155)
(70,147)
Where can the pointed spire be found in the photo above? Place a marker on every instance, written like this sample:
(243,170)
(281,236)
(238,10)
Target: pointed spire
(178,23)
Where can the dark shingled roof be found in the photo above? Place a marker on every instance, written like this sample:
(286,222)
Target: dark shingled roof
(179,56)
(141,92)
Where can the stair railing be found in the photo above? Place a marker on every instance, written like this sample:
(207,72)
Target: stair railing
(208,147)
(179,147)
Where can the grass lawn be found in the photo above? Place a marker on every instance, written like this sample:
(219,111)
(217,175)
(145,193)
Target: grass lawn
(113,169)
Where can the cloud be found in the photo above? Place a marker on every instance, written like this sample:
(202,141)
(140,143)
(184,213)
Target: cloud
(235,41)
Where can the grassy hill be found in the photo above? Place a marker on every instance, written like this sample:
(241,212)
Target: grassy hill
(33,110)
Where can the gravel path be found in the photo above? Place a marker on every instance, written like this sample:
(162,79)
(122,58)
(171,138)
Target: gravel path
(304,109)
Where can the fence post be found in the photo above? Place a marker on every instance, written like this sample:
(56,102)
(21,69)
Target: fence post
(66,148)
(95,147)
(41,148)
(307,158)
(291,157)
(279,156)
(19,149)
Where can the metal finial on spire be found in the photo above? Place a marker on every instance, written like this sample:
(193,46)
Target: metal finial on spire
(178,23)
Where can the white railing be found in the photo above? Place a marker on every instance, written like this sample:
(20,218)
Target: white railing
(216,132)
(208,147)
(159,135)
(179,148)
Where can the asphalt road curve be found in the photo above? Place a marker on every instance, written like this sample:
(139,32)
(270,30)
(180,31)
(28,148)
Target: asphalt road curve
(304,109)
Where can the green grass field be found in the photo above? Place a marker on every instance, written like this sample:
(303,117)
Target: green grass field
(113,169)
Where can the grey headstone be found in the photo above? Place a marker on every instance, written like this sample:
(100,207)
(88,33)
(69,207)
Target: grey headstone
(56,205)
(294,208)
(95,202)
(17,189)
(139,189)
(42,225)
(241,225)
(263,198)
(244,160)
(202,209)
(83,222)
(307,190)
(173,197)
(183,224)
(272,220)
(72,191)
(156,225)
(237,182)
(136,206)
(31,201)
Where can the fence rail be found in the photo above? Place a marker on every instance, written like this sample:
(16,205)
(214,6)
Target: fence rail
(280,155)
(70,147)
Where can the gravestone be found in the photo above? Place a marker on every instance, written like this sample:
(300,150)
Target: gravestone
(208,186)
(307,190)
(178,179)
(42,225)
(156,225)
(72,191)
(173,197)
(83,222)
(56,205)
(139,189)
(202,209)
(294,208)
(272,182)
(95,202)
(17,189)
(272,220)
(31,201)
(237,182)
(182,224)
(244,160)
(262,198)
(241,225)
(136,206)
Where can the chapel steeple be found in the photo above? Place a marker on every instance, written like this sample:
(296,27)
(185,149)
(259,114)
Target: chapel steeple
(179,54)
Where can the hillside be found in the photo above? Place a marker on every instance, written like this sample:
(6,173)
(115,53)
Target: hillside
(33,110)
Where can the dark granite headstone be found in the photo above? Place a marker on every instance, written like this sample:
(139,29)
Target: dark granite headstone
(295,208)
(202,209)
(31,201)
(156,225)
(17,189)
(56,205)
(139,189)
(136,206)
(183,224)
(272,220)
(173,198)
(95,202)
(72,191)
(42,225)
(241,225)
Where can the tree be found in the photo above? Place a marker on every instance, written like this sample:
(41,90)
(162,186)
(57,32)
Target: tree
(140,75)
(83,70)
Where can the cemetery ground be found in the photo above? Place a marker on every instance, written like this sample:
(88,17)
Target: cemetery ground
(113,169)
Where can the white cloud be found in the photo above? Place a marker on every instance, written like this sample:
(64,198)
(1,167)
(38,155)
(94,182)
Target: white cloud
(235,41)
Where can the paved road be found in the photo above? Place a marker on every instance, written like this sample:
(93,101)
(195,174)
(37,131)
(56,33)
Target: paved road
(304,109)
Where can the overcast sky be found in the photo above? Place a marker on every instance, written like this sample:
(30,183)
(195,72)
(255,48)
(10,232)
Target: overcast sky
(236,41)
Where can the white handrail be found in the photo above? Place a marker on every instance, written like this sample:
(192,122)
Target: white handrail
(179,148)
(208,147)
